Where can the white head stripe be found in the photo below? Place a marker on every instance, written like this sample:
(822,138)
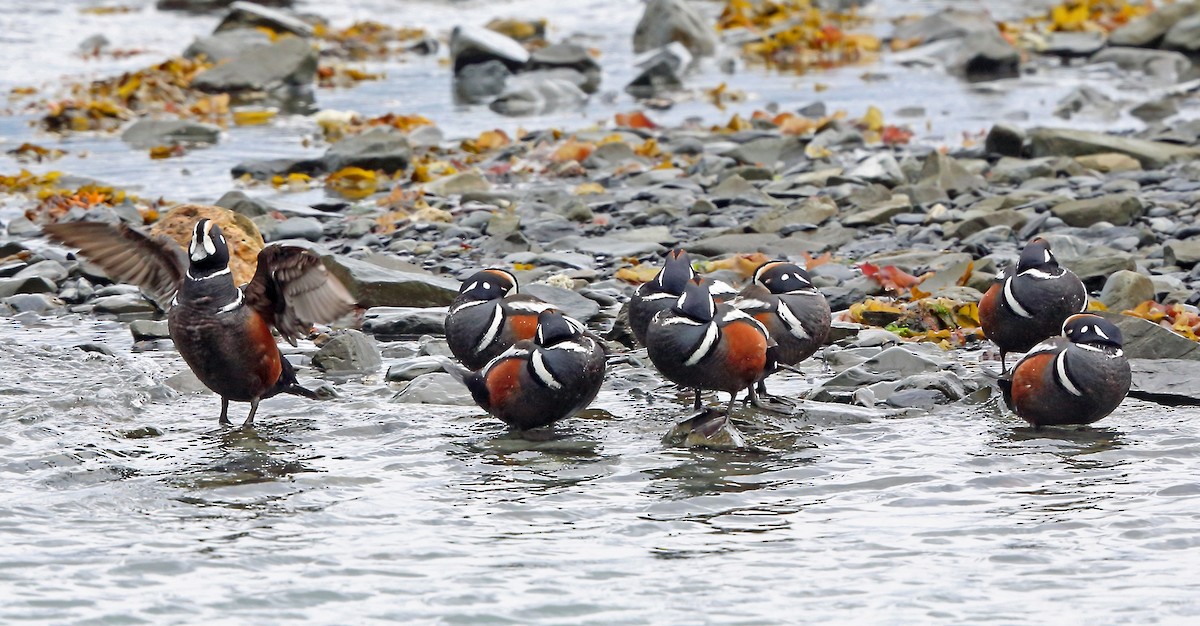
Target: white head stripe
(1011,300)
(492,331)
(1100,331)
(1060,371)
(542,372)
(706,345)
(793,323)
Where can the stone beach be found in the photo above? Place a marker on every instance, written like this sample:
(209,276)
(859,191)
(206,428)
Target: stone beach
(902,232)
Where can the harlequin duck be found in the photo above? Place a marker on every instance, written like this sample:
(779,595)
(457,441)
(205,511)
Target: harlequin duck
(782,298)
(1076,378)
(699,343)
(221,331)
(488,316)
(535,383)
(665,288)
(1030,303)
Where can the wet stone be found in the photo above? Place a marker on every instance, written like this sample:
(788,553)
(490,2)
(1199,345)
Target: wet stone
(667,21)
(32,302)
(391,323)
(435,388)
(143,330)
(148,133)
(412,368)
(348,351)
(226,45)
(567,301)
(124,306)
(471,45)
(372,285)
(32,284)
(1144,339)
(291,61)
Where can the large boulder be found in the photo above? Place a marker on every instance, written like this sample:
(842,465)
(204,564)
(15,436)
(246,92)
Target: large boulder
(226,45)
(527,94)
(1146,340)
(348,352)
(251,15)
(288,63)
(373,285)
(1070,142)
(1117,208)
(1149,31)
(384,149)
(665,21)
(243,237)
(470,45)
(1184,35)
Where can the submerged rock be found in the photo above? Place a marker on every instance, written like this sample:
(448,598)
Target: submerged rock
(146,133)
(471,45)
(435,388)
(661,71)
(1163,380)
(568,56)
(480,82)
(530,95)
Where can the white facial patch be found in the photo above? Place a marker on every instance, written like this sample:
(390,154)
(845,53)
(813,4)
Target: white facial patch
(542,372)
(706,345)
(1060,372)
(1011,300)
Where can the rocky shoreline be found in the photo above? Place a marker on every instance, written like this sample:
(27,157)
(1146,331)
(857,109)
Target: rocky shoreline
(901,237)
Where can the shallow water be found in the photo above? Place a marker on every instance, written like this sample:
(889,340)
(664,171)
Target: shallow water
(124,503)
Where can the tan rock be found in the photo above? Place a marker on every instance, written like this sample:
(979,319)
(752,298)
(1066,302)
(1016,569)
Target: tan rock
(1109,162)
(242,235)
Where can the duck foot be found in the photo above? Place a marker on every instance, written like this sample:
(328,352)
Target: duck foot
(709,428)
(763,401)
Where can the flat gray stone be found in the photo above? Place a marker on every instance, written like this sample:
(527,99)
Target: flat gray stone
(348,352)
(1069,142)
(372,285)
(393,323)
(667,21)
(565,300)
(1118,209)
(435,388)
(1146,340)
(146,133)
(289,61)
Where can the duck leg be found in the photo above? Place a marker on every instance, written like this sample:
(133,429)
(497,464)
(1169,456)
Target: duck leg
(761,400)
(224,421)
(250,418)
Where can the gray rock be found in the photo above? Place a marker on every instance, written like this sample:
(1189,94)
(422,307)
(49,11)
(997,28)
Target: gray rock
(1005,140)
(372,285)
(1119,209)
(481,82)
(880,213)
(1146,340)
(977,221)
(1088,100)
(144,330)
(660,71)
(767,243)
(238,202)
(458,184)
(21,226)
(1154,110)
(1095,268)
(470,45)
(1073,45)
(1166,65)
(570,56)
(32,303)
(124,305)
(527,94)
(48,269)
(608,246)
(205,6)
(881,168)
(289,62)
(666,21)
(892,364)
(696,432)
(226,45)
(296,228)
(943,25)
(249,15)
(986,56)
(1184,35)
(32,284)
(565,300)
(393,323)
(146,133)
(384,149)
(814,210)
(435,388)
(1068,142)
(1149,30)
(409,369)
(1185,253)
(187,382)
(1167,381)
(268,168)
(1125,290)
(94,45)
(348,351)
(948,174)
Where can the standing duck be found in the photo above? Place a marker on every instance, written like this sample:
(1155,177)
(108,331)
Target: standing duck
(1029,304)
(701,344)
(1076,378)
(488,316)
(540,381)
(222,332)
(782,298)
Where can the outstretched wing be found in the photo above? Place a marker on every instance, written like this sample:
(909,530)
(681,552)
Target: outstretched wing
(155,263)
(293,291)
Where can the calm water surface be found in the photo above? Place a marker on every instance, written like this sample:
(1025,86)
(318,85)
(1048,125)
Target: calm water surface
(122,502)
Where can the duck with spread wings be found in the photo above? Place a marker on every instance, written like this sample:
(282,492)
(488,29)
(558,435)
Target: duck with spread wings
(222,331)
